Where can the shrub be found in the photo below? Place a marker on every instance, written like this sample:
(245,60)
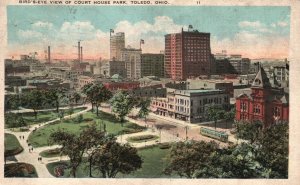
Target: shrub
(164,145)
(142,138)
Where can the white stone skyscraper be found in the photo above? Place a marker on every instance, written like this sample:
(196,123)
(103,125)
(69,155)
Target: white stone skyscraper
(117,43)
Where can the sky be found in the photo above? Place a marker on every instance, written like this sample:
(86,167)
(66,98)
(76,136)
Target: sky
(254,32)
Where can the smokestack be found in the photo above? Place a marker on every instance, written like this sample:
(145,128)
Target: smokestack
(49,55)
(81,59)
(79,51)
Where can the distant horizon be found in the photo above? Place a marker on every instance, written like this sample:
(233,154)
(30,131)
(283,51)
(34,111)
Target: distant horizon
(254,32)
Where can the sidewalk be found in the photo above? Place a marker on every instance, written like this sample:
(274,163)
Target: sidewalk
(31,157)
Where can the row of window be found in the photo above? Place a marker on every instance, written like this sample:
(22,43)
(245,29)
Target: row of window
(257,109)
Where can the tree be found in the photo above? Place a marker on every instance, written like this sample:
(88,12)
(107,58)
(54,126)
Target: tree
(71,111)
(96,93)
(214,113)
(101,94)
(35,100)
(14,120)
(72,146)
(122,104)
(114,158)
(229,116)
(273,150)
(87,90)
(11,102)
(75,97)
(55,97)
(61,114)
(92,139)
(238,161)
(249,131)
(186,158)
(144,108)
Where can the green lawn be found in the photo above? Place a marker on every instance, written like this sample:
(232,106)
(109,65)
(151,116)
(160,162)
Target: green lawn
(43,116)
(50,153)
(40,137)
(155,160)
(12,145)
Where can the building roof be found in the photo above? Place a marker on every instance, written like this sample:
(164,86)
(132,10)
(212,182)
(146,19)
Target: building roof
(261,80)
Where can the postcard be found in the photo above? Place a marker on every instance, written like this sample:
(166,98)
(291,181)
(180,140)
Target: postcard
(150,92)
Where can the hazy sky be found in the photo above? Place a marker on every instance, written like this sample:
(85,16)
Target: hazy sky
(255,32)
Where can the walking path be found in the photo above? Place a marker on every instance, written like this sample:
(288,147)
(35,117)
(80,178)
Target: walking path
(31,157)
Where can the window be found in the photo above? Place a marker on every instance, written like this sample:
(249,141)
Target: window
(256,109)
(276,111)
(243,107)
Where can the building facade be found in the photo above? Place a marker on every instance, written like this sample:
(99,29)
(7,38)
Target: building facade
(117,43)
(187,54)
(239,65)
(152,65)
(227,86)
(265,103)
(188,105)
(132,59)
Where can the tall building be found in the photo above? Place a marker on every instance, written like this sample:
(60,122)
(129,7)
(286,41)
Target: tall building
(187,54)
(264,103)
(132,58)
(152,65)
(110,68)
(117,43)
(239,65)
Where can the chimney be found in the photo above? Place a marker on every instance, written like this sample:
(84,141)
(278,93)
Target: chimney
(81,59)
(49,54)
(79,51)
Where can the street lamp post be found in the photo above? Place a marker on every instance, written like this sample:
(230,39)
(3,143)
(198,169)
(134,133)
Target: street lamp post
(186,132)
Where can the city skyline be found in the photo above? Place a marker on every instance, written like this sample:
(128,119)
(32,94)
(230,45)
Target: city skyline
(254,32)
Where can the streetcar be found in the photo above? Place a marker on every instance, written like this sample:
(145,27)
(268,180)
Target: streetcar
(221,136)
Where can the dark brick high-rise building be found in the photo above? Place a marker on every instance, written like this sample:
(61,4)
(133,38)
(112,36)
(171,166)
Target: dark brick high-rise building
(187,54)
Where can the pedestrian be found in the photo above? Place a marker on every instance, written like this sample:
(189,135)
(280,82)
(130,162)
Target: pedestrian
(29,150)
(20,137)
(41,158)
(27,141)
(32,149)
(23,137)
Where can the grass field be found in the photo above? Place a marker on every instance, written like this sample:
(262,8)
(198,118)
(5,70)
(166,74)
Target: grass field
(12,145)
(50,153)
(40,137)
(154,161)
(43,116)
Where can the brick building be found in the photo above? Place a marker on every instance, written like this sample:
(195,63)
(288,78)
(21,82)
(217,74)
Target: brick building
(264,102)
(187,54)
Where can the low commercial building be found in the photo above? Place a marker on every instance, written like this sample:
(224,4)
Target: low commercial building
(227,86)
(189,105)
